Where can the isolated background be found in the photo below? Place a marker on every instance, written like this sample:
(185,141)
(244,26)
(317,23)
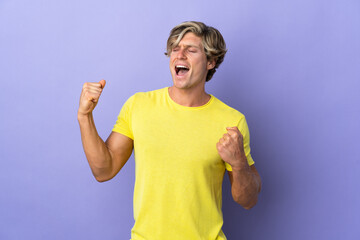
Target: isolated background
(293,68)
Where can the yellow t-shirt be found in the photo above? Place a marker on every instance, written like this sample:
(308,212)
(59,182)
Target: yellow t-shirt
(179,173)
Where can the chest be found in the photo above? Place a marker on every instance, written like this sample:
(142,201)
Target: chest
(178,139)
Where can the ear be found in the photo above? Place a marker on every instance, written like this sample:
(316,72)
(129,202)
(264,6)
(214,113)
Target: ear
(211,64)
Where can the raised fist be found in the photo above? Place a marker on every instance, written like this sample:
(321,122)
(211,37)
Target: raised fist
(90,95)
(231,148)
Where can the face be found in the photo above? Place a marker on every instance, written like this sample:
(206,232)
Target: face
(188,63)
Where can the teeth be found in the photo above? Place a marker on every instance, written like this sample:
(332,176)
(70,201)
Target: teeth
(181,66)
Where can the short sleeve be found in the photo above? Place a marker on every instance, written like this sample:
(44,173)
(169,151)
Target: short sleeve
(123,122)
(243,127)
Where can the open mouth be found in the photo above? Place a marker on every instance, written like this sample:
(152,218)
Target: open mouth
(181,69)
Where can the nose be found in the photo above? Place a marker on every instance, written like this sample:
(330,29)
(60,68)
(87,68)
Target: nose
(181,54)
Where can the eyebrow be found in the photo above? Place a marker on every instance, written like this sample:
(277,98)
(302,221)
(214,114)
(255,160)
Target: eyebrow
(188,46)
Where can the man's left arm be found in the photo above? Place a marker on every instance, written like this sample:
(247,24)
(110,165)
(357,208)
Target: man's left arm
(245,180)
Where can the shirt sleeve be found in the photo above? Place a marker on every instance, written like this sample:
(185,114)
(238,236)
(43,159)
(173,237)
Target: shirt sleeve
(243,127)
(123,122)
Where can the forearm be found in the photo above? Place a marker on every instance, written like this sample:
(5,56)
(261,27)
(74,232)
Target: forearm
(95,149)
(245,187)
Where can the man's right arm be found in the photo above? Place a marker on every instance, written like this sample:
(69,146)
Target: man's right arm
(105,158)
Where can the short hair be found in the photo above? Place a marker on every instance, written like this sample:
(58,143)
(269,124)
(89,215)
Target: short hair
(212,40)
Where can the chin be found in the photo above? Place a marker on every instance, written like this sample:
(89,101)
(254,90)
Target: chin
(180,83)
(179,86)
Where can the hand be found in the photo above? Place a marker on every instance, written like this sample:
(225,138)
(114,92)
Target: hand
(231,148)
(89,97)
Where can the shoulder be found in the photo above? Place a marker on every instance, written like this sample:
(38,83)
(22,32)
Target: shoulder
(226,110)
(145,98)
(236,117)
(149,94)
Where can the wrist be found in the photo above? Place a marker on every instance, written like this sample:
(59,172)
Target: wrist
(83,117)
(241,164)
(243,167)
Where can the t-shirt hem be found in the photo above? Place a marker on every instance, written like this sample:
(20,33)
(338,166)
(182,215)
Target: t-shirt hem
(129,135)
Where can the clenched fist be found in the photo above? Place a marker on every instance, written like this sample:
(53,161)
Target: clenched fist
(89,97)
(231,148)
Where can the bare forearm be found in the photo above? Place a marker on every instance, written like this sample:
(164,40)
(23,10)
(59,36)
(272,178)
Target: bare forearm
(95,149)
(246,186)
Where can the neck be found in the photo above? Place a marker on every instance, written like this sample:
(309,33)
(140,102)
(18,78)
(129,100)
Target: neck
(189,97)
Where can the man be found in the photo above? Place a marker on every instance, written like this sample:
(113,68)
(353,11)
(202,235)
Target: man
(183,139)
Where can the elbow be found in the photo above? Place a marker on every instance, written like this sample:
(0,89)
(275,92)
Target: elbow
(102,178)
(248,203)
(248,196)
(253,198)
(102,174)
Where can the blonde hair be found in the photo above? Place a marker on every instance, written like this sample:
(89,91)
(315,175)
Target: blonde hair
(213,42)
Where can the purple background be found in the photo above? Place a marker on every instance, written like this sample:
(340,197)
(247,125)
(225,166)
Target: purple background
(293,68)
